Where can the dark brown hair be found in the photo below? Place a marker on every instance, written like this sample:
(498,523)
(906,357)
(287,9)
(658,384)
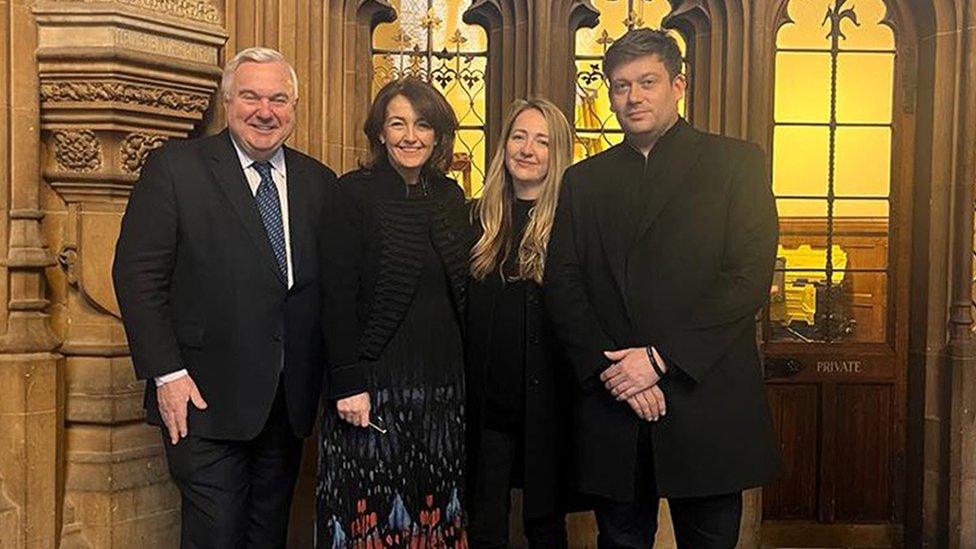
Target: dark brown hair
(640,42)
(429,105)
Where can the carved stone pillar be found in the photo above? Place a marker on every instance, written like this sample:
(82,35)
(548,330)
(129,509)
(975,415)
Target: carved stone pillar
(31,410)
(350,28)
(117,79)
(961,349)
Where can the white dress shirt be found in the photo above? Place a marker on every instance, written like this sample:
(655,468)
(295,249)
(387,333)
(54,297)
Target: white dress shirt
(279,174)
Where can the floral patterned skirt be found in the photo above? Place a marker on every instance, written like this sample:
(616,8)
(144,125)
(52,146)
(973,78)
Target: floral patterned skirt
(402,488)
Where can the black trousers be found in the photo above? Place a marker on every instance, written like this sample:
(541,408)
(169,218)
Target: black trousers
(237,493)
(499,459)
(710,522)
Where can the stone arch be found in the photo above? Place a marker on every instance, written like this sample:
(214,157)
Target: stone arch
(351,23)
(558,83)
(507,24)
(693,19)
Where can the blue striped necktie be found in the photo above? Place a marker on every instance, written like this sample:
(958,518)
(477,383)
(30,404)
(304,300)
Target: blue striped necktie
(270,209)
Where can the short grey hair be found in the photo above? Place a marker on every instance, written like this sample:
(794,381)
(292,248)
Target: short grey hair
(255,55)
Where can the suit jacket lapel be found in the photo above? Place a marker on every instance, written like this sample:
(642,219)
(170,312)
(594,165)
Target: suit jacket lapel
(227,170)
(298,202)
(674,154)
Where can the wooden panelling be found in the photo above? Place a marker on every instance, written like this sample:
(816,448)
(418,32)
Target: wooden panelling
(795,417)
(848,391)
(853,536)
(863,453)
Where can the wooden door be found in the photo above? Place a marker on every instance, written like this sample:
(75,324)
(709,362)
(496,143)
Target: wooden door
(835,333)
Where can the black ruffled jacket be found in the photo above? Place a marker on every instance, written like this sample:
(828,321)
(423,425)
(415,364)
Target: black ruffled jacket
(376,261)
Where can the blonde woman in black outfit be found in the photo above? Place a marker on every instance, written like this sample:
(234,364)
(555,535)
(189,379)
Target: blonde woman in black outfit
(518,386)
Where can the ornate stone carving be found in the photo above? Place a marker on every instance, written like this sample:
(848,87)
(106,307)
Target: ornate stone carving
(68,260)
(135,148)
(197,10)
(77,151)
(123,92)
(113,81)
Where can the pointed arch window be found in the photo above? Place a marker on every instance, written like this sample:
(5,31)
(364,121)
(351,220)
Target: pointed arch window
(429,40)
(832,158)
(596,128)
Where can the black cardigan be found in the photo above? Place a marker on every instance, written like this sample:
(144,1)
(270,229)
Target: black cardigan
(377,260)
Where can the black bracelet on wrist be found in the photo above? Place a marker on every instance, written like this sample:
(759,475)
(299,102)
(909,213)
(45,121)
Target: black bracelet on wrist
(657,368)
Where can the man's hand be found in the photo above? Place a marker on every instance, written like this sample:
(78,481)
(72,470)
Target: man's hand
(630,373)
(648,404)
(172,398)
(354,409)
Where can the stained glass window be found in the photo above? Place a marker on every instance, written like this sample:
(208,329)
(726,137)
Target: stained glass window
(429,40)
(832,155)
(596,128)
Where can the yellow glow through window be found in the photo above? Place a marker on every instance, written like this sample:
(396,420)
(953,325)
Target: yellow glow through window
(832,154)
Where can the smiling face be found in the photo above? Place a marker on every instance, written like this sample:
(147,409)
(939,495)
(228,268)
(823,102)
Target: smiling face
(260,108)
(409,139)
(527,149)
(644,97)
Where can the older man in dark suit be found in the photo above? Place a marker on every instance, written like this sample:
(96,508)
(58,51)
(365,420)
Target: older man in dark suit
(217,274)
(662,252)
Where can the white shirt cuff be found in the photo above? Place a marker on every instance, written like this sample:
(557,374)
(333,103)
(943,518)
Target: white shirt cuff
(660,361)
(163,380)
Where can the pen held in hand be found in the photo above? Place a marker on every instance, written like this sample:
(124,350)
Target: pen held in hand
(378,424)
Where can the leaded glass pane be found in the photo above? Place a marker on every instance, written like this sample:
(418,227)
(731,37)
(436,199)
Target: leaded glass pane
(800,92)
(800,208)
(800,160)
(853,306)
(876,209)
(858,99)
(863,163)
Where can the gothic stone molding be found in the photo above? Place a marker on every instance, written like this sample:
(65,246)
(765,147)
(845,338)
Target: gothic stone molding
(124,92)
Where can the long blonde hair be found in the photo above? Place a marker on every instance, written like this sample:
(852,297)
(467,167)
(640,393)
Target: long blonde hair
(494,210)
